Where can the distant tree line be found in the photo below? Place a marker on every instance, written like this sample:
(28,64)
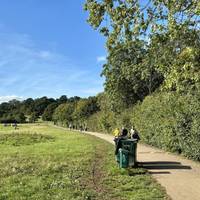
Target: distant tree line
(63,110)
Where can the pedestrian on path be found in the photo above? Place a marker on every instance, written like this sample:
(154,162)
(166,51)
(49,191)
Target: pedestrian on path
(116,134)
(134,134)
(123,136)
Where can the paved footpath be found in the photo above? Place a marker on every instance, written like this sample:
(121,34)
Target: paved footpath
(179,176)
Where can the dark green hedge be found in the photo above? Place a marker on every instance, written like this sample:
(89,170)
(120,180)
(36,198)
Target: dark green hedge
(170,121)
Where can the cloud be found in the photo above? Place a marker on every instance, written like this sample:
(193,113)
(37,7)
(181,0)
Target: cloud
(29,70)
(44,54)
(92,91)
(8,98)
(101,59)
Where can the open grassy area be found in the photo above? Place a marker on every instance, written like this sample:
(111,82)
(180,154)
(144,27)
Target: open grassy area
(41,162)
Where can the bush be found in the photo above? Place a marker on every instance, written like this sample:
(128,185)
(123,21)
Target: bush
(167,120)
(102,122)
(93,122)
(170,121)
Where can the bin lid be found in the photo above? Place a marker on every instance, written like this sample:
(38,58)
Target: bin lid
(132,140)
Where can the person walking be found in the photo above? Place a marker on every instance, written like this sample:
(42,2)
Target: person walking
(134,134)
(123,136)
(116,134)
(124,132)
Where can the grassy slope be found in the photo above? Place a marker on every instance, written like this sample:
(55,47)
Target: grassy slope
(66,165)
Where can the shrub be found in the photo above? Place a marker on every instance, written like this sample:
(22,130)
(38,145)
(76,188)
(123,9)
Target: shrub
(102,122)
(170,121)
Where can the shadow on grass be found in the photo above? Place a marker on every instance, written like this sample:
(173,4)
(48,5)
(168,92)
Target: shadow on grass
(136,171)
(162,165)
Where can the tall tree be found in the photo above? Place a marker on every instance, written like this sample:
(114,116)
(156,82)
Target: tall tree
(144,40)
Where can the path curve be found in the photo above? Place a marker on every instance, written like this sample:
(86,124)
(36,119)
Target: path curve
(179,176)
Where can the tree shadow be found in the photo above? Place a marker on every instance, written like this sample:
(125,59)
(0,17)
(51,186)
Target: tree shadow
(162,165)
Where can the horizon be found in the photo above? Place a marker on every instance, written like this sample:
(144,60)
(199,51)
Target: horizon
(7,99)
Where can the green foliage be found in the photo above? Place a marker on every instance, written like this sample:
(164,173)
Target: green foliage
(147,44)
(132,19)
(33,117)
(106,122)
(104,119)
(185,71)
(20,117)
(10,112)
(48,112)
(27,106)
(128,77)
(170,121)
(84,108)
(153,63)
(101,122)
(63,113)
(124,119)
(75,112)
(44,107)
(62,99)
(167,120)
(13,118)
(93,123)
(40,105)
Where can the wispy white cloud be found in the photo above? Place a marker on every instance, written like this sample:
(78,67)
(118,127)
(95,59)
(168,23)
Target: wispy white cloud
(9,98)
(45,54)
(28,70)
(93,90)
(101,58)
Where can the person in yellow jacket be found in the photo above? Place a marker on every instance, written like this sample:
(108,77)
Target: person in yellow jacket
(116,133)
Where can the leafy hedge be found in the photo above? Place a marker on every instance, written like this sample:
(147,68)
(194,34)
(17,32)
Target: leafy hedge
(102,122)
(170,121)
(166,120)
(107,121)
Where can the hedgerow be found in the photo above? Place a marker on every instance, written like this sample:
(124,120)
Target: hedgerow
(167,120)
(170,121)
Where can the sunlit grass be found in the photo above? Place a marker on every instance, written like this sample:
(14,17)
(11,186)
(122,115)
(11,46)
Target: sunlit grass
(69,166)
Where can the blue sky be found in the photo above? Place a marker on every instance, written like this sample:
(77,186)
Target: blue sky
(48,49)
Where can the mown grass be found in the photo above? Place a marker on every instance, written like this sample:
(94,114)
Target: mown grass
(25,138)
(66,165)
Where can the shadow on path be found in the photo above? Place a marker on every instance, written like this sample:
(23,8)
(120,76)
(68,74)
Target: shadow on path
(162,165)
(157,173)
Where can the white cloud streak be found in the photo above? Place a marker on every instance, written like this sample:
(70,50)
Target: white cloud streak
(101,58)
(9,98)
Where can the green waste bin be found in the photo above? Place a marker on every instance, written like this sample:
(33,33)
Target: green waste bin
(127,154)
(123,158)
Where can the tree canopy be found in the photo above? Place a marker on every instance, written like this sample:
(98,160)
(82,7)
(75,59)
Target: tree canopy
(148,43)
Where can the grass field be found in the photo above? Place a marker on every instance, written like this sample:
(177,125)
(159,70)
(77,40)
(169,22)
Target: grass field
(41,162)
